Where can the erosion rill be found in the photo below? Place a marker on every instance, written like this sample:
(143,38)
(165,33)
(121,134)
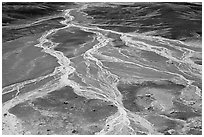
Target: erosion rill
(84,79)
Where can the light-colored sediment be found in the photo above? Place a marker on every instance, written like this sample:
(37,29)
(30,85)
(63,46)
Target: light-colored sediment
(104,85)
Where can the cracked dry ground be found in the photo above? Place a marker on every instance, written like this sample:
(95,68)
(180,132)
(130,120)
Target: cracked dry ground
(81,79)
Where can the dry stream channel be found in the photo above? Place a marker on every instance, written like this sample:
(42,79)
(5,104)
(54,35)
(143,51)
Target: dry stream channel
(100,81)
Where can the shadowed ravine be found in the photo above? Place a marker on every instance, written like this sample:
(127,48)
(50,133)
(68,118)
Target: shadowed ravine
(104,82)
